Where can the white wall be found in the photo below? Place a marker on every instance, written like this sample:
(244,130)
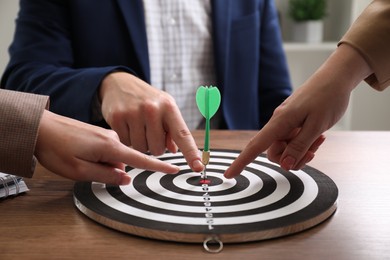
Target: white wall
(8,11)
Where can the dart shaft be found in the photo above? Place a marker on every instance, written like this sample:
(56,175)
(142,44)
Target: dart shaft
(207,127)
(207,135)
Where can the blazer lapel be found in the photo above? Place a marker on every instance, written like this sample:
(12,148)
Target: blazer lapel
(133,14)
(221,29)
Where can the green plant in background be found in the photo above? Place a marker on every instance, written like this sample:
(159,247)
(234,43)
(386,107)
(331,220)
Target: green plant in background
(304,10)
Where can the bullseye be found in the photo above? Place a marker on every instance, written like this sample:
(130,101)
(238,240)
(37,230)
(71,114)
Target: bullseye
(205,181)
(198,181)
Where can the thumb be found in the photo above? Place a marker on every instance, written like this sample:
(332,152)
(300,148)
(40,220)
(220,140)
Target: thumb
(300,149)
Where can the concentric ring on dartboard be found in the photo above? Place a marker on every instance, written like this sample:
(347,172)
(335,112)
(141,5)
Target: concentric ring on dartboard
(263,202)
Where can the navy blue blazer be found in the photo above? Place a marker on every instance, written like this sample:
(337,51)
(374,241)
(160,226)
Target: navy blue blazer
(63,48)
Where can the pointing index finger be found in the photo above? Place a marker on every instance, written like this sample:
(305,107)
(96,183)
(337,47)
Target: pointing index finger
(257,145)
(181,135)
(187,145)
(139,160)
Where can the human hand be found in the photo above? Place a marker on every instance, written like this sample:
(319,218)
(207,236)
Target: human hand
(84,152)
(146,118)
(295,131)
(292,135)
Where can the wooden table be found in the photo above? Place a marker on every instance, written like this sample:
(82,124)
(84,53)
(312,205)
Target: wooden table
(45,224)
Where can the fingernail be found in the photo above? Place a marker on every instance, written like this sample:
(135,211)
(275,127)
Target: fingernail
(227,174)
(197,166)
(175,169)
(288,163)
(124,178)
(310,157)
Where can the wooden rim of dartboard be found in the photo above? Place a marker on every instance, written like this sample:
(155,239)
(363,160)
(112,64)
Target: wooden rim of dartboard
(263,202)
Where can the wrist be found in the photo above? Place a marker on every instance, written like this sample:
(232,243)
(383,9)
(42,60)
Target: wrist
(110,80)
(342,71)
(353,67)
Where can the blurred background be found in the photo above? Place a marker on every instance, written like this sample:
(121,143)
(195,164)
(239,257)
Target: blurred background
(368,109)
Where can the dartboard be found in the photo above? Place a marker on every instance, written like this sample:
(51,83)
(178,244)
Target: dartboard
(263,202)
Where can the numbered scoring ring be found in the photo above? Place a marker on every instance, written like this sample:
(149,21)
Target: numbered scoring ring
(263,202)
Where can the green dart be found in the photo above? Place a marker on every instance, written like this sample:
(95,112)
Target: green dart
(208,100)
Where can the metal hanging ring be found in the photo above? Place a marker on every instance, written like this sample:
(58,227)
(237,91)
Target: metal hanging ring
(214,241)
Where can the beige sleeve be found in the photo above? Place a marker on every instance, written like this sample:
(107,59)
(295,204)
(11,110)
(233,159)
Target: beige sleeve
(20,115)
(370,36)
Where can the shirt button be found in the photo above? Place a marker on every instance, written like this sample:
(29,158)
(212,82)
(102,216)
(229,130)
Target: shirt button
(171,21)
(173,77)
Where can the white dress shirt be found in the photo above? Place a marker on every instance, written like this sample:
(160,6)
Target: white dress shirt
(180,51)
